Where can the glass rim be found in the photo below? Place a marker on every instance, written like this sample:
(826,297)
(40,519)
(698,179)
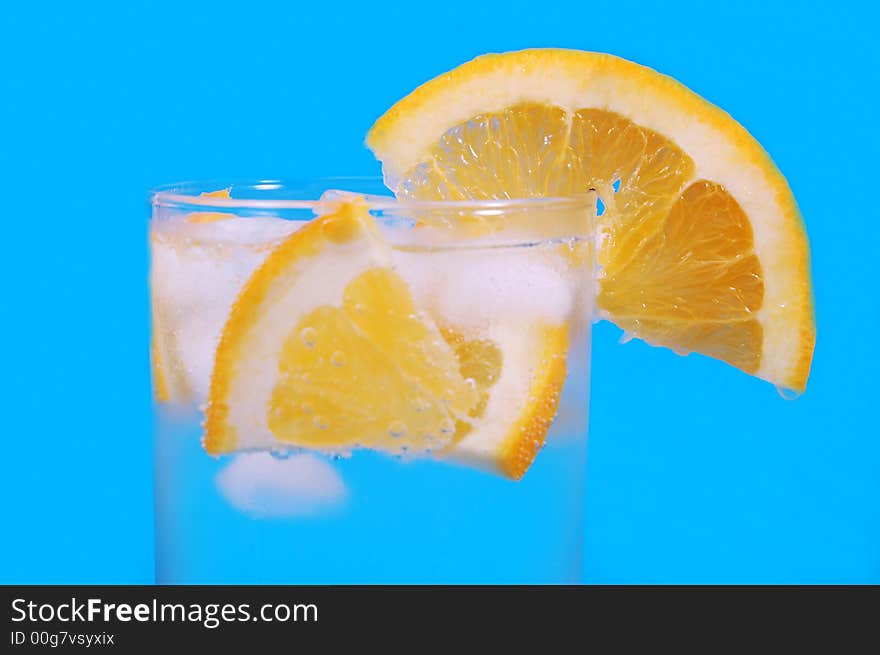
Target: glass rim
(188,193)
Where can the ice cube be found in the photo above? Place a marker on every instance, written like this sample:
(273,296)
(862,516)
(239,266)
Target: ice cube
(474,288)
(197,271)
(264,486)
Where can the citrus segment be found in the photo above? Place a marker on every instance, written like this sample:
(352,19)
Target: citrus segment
(701,244)
(334,344)
(519,374)
(695,284)
(371,370)
(325,348)
(508,315)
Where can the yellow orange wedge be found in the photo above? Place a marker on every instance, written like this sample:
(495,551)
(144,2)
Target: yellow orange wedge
(701,245)
(330,347)
(325,349)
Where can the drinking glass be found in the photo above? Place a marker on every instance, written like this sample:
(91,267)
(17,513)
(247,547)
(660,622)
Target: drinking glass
(509,286)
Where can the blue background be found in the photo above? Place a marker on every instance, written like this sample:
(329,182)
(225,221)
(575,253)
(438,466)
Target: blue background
(697,473)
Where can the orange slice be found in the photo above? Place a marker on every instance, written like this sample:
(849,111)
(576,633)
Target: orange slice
(325,349)
(330,347)
(701,244)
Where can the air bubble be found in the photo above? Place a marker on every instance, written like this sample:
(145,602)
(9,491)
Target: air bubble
(397,429)
(420,405)
(471,383)
(359,308)
(281,453)
(307,408)
(309,336)
(338,359)
(447,427)
(320,422)
(788,394)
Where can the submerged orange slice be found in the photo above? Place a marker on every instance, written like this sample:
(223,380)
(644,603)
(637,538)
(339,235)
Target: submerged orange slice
(701,245)
(325,349)
(329,348)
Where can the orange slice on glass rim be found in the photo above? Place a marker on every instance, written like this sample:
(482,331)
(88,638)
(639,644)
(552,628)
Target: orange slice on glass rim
(701,245)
